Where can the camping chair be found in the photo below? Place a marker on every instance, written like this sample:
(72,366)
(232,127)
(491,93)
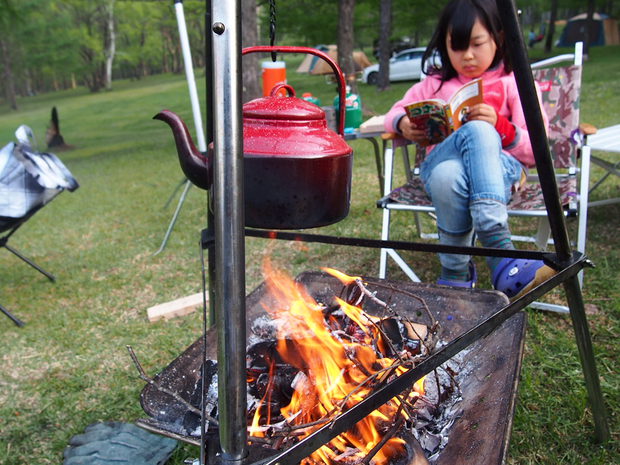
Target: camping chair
(603,140)
(561,89)
(29,180)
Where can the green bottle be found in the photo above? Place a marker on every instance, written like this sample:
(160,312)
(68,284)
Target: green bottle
(308,97)
(353,110)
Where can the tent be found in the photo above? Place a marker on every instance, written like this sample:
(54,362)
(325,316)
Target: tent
(604,31)
(315,65)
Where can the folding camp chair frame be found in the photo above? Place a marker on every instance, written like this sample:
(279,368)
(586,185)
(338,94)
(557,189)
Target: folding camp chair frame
(12,229)
(11,225)
(542,239)
(604,140)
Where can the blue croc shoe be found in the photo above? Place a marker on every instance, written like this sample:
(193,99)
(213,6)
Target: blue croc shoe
(473,277)
(516,276)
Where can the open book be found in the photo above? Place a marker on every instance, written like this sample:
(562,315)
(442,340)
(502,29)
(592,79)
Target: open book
(440,118)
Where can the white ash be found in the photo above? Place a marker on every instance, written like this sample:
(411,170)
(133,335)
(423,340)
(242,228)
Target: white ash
(263,328)
(266,328)
(432,425)
(210,399)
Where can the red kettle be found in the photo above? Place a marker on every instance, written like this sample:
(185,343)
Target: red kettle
(297,171)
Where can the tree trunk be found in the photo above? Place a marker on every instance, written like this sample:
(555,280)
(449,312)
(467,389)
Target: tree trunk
(385,31)
(589,27)
(551,30)
(110,45)
(345,42)
(249,27)
(9,79)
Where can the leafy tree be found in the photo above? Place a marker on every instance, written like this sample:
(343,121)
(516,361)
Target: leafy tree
(346,40)
(8,15)
(110,42)
(35,48)
(249,27)
(94,21)
(303,22)
(143,29)
(385,30)
(50,49)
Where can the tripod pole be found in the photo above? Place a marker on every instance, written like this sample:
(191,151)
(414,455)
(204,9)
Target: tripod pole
(189,73)
(193,97)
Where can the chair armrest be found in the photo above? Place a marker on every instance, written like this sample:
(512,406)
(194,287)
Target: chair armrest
(587,129)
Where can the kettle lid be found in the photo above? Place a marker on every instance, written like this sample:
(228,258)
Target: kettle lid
(278,107)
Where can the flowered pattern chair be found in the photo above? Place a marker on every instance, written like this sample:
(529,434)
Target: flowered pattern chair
(560,91)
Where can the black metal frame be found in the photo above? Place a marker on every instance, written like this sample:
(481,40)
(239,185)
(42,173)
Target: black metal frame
(12,225)
(225,241)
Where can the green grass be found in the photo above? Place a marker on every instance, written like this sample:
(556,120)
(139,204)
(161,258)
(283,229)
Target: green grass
(68,367)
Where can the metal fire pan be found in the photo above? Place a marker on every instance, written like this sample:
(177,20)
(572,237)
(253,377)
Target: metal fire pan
(480,435)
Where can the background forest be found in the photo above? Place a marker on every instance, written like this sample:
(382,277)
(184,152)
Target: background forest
(50,45)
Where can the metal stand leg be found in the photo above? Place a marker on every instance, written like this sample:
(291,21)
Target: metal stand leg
(174,192)
(15,320)
(544,164)
(586,354)
(173,221)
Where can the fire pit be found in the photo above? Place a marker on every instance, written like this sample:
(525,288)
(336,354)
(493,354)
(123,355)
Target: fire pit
(480,428)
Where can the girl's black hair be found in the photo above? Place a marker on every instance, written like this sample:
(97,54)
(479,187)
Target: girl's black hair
(458,18)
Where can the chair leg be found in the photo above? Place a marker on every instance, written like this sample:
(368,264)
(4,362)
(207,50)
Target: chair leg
(388,164)
(13,318)
(50,276)
(584,184)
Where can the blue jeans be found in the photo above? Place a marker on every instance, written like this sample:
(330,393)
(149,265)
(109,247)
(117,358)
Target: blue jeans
(469,179)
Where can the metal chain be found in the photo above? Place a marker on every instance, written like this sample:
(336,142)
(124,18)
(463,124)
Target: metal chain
(272,27)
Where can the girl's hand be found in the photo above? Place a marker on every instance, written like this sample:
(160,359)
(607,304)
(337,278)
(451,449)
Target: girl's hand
(409,130)
(482,112)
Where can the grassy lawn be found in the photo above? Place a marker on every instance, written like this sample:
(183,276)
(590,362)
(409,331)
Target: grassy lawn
(68,367)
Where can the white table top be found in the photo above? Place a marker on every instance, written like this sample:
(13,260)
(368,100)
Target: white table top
(606,139)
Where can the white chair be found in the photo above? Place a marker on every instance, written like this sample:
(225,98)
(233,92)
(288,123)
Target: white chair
(604,140)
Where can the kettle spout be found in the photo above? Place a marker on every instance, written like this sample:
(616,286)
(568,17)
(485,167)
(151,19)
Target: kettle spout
(196,165)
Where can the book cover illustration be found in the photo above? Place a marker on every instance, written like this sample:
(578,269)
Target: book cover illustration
(440,118)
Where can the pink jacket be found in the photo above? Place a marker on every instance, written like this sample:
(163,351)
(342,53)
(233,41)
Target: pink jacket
(500,91)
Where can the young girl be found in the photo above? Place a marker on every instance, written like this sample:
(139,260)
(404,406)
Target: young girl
(469,176)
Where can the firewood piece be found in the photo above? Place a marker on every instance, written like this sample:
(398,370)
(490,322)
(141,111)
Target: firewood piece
(179,307)
(415,330)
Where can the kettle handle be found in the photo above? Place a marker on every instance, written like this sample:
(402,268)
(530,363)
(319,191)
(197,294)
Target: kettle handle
(276,89)
(312,51)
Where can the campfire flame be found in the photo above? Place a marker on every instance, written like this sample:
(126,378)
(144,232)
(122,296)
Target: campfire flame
(336,371)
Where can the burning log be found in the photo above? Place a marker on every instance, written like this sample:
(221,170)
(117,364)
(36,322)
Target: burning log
(312,361)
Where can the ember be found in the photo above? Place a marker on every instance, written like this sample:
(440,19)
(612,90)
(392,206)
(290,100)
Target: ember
(320,359)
